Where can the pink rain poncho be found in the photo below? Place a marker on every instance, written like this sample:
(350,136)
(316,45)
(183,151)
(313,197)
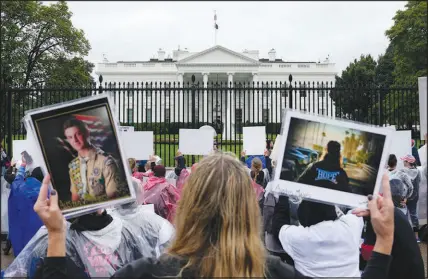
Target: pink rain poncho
(162,195)
(182,179)
(258,189)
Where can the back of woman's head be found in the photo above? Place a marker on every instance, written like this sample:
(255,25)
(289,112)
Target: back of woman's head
(132,163)
(392,161)
(257,164)
(312,213)
(159,171)
(218,222)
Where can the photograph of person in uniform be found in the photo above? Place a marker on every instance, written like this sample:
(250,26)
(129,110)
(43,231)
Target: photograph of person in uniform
(82,153)
(93,173)
(333,157)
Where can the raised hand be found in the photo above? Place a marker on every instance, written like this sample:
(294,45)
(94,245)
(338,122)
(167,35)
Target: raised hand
(48,209)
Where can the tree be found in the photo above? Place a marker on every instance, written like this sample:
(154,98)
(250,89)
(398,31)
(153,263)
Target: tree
(37,40)
(385,68)
(350,94)
(69,73)
(408,38)
(33,34)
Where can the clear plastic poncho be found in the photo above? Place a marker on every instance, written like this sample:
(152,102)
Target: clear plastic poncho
(131,235)
(5,191)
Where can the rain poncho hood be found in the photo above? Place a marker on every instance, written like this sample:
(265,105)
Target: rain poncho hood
(23,221)
(163,195)
(131,235)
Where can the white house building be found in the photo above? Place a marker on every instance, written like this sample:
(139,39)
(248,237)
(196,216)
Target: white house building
(216,64)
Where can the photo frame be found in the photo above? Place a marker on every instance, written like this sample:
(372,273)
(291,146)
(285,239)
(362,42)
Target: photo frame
(82,150)
(353,169)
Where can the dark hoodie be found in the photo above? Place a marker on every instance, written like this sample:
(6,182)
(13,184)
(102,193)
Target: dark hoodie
(180,164)
(406,256)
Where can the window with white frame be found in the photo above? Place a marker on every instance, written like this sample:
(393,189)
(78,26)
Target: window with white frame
(265,115)
(149,115)
(167,115)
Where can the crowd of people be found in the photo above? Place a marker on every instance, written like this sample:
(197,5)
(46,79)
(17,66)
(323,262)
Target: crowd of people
(217,218)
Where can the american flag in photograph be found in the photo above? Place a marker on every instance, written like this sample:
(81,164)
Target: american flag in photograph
(98,131)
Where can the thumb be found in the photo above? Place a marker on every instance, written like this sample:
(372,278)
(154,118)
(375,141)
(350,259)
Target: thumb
(53,200)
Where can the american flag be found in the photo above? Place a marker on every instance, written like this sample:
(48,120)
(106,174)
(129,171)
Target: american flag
(98,131)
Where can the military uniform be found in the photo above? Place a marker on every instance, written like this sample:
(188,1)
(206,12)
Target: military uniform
(95,176)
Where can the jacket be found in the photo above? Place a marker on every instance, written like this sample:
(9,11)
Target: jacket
(23,221)
(58,267)
(323,174)
(406,256)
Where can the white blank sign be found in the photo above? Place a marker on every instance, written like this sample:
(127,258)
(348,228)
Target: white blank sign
(254,140)
(274,154)
(401,145)
(195,141)
(19,146)
(138,145)
(126,128)
(422,84)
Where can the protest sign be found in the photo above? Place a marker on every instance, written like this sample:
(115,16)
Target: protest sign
(254,139)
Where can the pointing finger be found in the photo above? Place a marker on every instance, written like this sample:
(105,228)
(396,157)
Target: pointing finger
(386,188)
(43,194)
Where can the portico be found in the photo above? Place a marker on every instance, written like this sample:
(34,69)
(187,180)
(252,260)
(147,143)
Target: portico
(218,72)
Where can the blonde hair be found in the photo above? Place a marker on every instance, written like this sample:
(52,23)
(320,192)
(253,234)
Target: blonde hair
(256,166)
(132,163)
(218,221)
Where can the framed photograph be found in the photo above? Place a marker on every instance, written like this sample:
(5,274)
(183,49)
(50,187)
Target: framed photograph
(82,151)
(329,160)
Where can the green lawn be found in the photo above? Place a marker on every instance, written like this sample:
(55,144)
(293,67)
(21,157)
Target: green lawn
(167,145)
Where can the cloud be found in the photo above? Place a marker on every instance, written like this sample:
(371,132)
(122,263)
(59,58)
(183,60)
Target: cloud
(299,31)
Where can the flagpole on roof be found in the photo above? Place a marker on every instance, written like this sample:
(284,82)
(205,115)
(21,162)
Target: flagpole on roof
(215,27)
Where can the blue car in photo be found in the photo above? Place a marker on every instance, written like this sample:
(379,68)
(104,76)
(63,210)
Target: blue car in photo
(298,157)
(312,154)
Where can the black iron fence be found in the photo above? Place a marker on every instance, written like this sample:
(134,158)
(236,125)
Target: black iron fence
(166,107)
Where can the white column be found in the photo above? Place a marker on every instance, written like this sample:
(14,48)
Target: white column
(178,100)
(204,116)
(229,127)
(252,97)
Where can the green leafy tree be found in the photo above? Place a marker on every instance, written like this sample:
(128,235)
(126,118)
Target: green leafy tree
(408,38)
(385,68)
(69,73)
(39,40)
(351,97)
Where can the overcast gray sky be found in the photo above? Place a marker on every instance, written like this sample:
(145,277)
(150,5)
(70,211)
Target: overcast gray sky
(299,31)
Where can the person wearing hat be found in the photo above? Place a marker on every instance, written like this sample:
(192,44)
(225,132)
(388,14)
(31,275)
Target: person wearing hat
(328,172)
(412,202)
